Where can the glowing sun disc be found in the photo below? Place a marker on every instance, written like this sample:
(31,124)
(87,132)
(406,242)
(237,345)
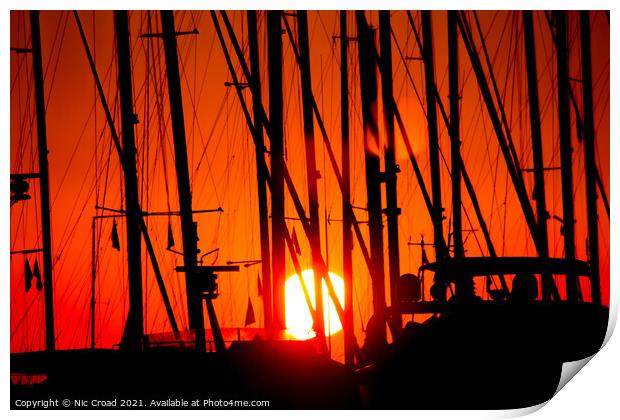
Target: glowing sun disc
(298,316)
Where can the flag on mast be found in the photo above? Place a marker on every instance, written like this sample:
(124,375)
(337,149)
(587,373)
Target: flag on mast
(249,314)
(116,243)
(36,272)
(28,276)
(259,286)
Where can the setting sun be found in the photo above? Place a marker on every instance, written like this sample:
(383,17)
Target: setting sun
(298,317)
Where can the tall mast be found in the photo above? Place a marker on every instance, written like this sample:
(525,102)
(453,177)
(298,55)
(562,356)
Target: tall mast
(145,234)
(311,171)
(278,226)
(391,169)
(134,328)
(368,89)
(294,195)
(259,144)
(503,140)
(433,138)
(463,170)
(539,176)
(566,150)
(188,227)
(44,183)
(93,277)
(455,141)
(588,143)
(347,238)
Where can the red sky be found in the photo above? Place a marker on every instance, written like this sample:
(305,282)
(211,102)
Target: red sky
(85,170)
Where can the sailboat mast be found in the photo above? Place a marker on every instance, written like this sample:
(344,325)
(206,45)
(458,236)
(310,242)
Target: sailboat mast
(311,172)
(188,227)
(368,89)
(347,237)
(433,137)
(278,225)
(548,289)
(255,86)
(503,140)
(93,277)
(116,141)
(566,151)
(589,150)
(391,169)
(455,141)
(46,224)
(134,328)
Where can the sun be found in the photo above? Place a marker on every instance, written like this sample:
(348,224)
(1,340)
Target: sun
(298,316)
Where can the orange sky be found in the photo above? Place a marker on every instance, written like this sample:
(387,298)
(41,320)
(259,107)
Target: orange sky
(85,169)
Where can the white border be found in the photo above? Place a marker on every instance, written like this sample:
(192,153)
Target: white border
(593,394)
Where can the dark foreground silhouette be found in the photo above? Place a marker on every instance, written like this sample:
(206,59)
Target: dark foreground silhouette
(469,353)
(482,355)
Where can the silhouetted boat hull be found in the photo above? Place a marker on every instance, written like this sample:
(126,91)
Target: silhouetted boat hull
(287,374)
(484,355)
